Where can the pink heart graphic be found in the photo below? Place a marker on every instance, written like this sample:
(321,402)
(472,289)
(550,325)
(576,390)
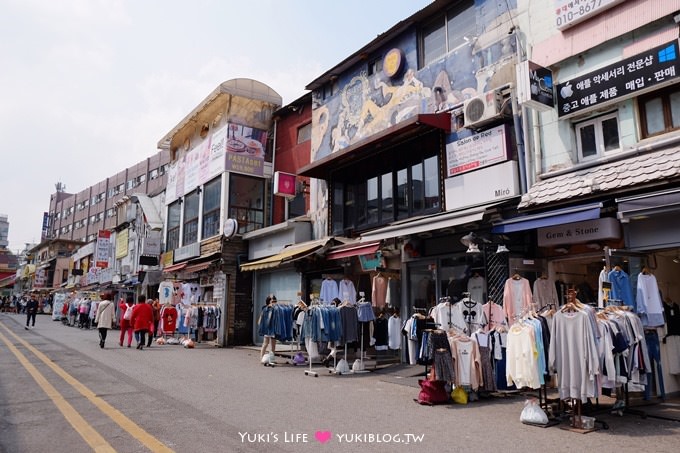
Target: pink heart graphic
(323,436)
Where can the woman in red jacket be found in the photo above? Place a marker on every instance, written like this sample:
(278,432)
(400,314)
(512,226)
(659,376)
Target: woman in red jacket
(125,324)
(142,318)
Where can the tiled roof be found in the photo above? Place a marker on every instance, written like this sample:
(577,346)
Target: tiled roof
(640,170)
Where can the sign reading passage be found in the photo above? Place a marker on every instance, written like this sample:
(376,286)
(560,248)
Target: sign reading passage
(476,151)
(620,80)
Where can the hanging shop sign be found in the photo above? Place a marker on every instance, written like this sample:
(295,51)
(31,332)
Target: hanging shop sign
(535,86)
(103,249)
(393,63)
(122,239)
(152,244)
(477,151)
(616,82)
(579,232)
(284,184)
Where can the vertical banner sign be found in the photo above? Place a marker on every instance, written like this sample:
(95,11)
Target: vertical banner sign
(103,248)
(45,226)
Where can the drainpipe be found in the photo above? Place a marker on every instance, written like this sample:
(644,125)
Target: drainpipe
(519,136)
(271,210)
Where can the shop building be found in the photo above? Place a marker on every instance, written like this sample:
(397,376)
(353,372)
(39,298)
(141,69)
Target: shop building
(221,157)
(602,163)
(416,150)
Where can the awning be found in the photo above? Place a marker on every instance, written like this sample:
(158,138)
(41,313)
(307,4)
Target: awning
(426,224)
(643,206)
(174,268)
(322,167)
(151,215)
(288,254)
(346,251)
(551,218)
(8,281)
(194,268)
(152,277)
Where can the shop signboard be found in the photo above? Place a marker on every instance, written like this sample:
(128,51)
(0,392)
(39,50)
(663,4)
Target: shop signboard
(122,238)
(570,12)
(535,86)
(491,184)
(628,78)
(477,151)
(579,232)
(103,249)
(187,251)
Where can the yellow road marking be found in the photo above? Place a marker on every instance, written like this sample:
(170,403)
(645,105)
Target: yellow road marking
(124,422)
(86,431)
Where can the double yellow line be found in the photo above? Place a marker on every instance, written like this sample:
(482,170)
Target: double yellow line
(86,431)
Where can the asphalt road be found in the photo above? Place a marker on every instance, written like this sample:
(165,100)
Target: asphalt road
(59,392)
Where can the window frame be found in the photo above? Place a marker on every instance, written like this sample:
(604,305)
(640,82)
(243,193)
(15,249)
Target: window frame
(597,123)
(440,25)
(190,224)
(210,212)
(665,96)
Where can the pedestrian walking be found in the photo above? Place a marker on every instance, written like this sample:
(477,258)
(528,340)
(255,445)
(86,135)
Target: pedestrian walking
(156,304)
(125,323)
(104,317)
(266,326)
(31,310)
(142,318)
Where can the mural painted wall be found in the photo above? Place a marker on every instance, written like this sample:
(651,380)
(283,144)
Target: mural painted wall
(365,105)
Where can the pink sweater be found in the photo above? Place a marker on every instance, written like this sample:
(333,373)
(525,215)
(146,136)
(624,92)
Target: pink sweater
(509,297)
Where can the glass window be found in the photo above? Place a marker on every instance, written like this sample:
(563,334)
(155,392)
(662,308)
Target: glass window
(174,214)
(246,205)
(446,33)
(190,231)
(387,194)
(304,133)
(654,111)
(431,184)
(461,26)
(597,136)
(338,218)
(212,196)
(588,146)
(372,202)
(417,187)
(402,193)
(434,42)
(660,111)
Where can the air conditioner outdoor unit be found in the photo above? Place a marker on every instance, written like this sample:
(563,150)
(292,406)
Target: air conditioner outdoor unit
(482,109)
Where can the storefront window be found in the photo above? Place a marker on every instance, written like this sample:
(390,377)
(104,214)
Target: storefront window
(388,186)
(212,196)
(431,185)
(191,202)
(387,197)
(246,205)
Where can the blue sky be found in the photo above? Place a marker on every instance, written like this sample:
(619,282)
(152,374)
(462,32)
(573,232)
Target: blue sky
(89,87)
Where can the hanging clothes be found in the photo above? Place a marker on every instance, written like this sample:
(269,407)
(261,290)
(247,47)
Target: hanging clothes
(621,288)
(393,296)
(379,290)
(348,292)
(648,302)
(545,293)
(329,291)
(573,354)
(394,332)
(517,297)
(476,286)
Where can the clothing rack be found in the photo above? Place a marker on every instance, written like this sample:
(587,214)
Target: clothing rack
(310,372)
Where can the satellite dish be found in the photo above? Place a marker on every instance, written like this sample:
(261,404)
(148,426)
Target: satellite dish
(230,228)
